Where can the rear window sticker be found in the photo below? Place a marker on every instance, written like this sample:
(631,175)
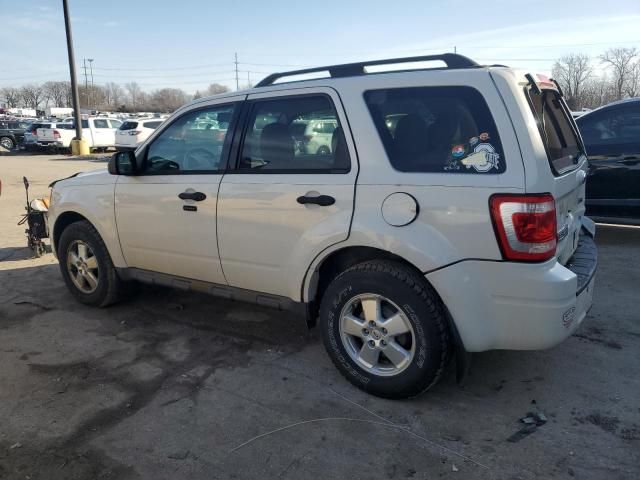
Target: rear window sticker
(483,158)
(484,136)
(473,141)
(458,151)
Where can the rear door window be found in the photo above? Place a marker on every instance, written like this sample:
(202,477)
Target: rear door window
(273,141)
(100,123)
(128,125)
(437,129)
(556,128)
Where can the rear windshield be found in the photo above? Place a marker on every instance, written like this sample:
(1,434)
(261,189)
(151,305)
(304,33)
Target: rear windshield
(129,126)
(556,129)
(437,129)
(154,124)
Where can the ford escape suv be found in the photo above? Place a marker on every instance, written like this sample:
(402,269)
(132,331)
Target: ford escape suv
(445,217)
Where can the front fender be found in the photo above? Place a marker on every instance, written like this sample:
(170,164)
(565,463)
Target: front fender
(99,212)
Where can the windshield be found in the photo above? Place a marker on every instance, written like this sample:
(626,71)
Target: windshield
(557,129)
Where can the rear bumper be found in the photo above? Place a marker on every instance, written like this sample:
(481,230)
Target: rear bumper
(519,306)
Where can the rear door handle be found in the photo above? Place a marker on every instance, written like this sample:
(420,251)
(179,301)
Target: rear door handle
(322,200)
(197,196)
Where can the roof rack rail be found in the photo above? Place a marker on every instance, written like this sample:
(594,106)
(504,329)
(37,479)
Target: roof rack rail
(452,60)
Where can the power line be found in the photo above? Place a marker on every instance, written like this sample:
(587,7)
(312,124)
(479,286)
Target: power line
(190,67)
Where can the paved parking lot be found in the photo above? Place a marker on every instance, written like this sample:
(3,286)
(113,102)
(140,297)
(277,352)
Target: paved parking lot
(177,385)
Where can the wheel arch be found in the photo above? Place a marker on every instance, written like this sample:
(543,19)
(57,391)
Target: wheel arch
(323,271)
(63,221)
(106,230)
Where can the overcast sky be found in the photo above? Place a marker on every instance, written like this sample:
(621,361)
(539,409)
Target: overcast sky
(191,43)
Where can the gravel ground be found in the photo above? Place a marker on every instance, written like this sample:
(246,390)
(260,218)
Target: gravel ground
(173,385)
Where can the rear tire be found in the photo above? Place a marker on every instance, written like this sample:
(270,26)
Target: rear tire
(355,309)
(86,266)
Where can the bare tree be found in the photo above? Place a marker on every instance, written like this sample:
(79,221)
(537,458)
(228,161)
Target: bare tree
(11,96)
(167,99)
(216,88)
(32,95)
(571,71)
(621,62)
(633,84)
(58,93)
(113,95)
(134,93)
(197,95)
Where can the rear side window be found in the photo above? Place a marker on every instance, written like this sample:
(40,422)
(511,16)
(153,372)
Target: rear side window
(556,128)
(129,125)
(153,125)
(101,123)
(437,129)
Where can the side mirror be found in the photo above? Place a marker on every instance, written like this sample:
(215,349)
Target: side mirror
(122,163)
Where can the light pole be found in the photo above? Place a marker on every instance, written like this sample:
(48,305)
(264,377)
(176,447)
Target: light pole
(72,71)
(93,92)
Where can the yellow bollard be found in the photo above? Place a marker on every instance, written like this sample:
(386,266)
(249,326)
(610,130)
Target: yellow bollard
(80,147)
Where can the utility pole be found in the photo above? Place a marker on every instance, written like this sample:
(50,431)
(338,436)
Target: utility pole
(237,80)
(93,92)
(455,49)
(86,83)
(72,71)
(248,79)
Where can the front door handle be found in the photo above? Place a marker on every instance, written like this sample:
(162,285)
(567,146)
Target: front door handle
(197,196)
(322,200)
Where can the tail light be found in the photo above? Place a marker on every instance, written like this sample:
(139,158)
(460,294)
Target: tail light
(56,134)
(525,226)
(133,133)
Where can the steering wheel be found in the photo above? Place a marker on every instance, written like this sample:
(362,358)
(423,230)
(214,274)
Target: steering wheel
(160,164)
(200,159)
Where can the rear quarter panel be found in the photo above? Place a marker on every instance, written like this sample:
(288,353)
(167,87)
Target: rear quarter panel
(453,223)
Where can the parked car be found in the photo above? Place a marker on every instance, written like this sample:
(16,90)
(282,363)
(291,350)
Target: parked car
(12,132)
(317,135)
(409,246)
(133,132)
(612,137)
(30,138)
(100,133)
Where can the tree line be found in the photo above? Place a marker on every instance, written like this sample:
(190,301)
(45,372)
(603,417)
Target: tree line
(111,97)
(584,88)
(576,73)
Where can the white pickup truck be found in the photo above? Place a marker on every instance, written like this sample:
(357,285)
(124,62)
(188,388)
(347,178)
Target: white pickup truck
(99,132)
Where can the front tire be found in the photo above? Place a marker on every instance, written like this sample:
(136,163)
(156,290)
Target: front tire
(7,143)
(384,329)
(86,266)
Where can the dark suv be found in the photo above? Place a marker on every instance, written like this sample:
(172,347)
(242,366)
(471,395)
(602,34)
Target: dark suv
(12,132)
(612,138)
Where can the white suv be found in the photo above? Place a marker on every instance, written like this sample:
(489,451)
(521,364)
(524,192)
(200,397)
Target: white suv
(447,218)
(132,133)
